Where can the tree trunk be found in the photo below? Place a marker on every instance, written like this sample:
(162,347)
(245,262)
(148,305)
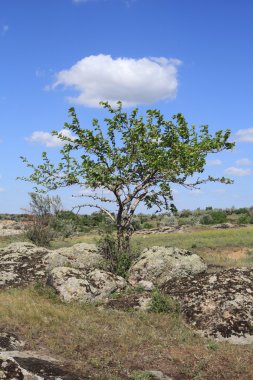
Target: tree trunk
(123,239)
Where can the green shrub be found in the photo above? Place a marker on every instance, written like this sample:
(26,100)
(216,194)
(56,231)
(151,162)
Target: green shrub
(244,219)
(214,217)
(160,303)
(119,261)
(45,291)
(147,225)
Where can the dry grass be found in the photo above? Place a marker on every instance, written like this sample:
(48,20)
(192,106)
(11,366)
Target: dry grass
(105,344)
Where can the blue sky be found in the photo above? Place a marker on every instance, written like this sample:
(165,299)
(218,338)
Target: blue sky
(193,57)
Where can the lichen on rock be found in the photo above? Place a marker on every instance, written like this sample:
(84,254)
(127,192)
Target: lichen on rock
(161,264)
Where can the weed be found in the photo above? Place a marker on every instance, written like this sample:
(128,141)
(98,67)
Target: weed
(212,345)
(141,375)
(45,291)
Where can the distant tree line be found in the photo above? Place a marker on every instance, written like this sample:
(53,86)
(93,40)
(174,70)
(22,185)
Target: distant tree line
(85,223)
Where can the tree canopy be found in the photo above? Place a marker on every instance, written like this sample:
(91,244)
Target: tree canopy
(132,160)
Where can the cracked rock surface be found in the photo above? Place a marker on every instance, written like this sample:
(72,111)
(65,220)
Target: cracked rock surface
(81,256)
(18,364)
(23,263)
(218,304)
(78,285)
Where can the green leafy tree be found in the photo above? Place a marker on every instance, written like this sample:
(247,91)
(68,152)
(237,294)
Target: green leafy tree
(132,160)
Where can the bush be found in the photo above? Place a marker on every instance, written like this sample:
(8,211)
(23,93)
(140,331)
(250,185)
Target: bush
(206,219)
(147,225)
(160,303)
(214,217)
(39,233)
(244,219)
(63,227)
(119,262)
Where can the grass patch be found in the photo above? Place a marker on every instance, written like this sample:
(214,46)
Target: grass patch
(6,240)
(105,344)
(199,239)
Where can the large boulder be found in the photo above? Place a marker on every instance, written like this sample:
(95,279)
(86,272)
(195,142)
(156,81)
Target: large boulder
(83,256)
(21,263)
(161,264)
(78,285)
(217,304)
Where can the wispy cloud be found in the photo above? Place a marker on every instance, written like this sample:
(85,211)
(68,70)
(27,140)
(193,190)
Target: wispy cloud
(40,72)
(82,1)
(243,162)
(130,80)
(238,172)
(2,189)
(215,162)
(47,139)
(245,135)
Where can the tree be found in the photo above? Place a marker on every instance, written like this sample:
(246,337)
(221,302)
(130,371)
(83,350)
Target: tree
(43,206)
(131,161)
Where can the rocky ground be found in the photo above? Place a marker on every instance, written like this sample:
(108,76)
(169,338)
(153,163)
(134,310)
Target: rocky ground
(186,228)
(11,228)
(218,305)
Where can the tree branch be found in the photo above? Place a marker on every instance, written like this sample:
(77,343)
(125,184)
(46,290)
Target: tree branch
(112,217)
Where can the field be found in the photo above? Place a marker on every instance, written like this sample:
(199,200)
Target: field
(107,344)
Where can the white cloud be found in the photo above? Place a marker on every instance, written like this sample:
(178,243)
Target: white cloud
(215,162)
(47,139)
(243,162)
(245,135)
(238,172)
(133,81)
